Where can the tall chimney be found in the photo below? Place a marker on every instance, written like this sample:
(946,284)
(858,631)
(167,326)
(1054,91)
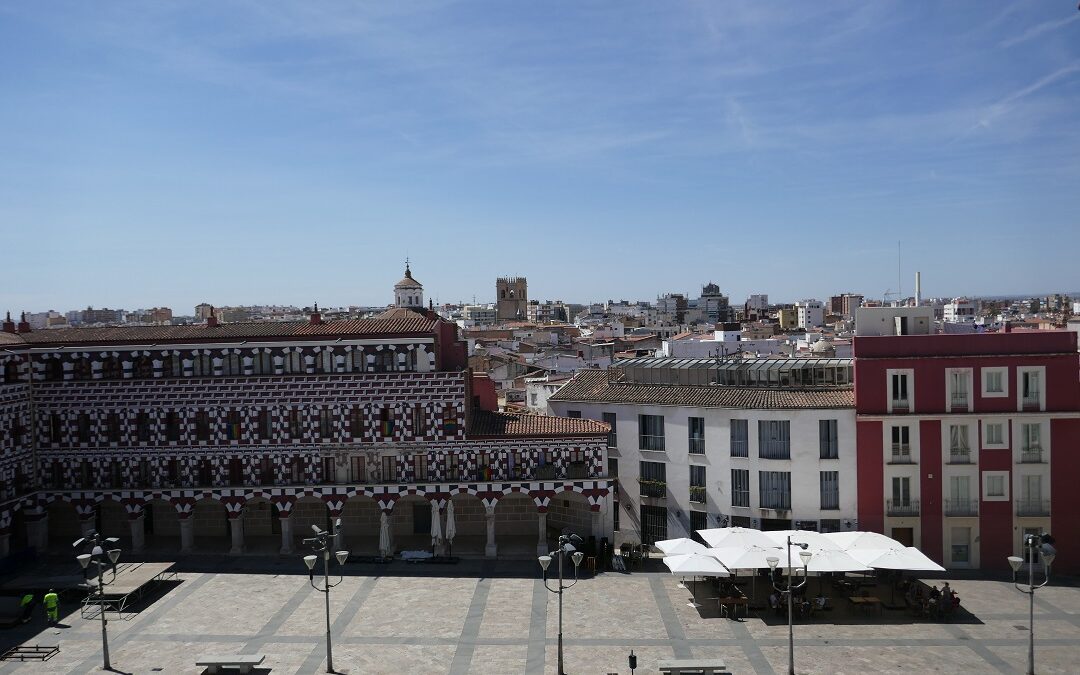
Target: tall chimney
(918,288)
(9,325)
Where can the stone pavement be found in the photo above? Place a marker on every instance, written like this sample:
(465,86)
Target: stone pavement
(493,617)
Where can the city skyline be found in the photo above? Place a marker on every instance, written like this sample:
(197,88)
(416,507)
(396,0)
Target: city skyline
(243,154)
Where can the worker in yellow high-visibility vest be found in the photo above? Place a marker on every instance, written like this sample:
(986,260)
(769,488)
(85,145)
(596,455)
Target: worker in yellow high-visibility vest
(52,606)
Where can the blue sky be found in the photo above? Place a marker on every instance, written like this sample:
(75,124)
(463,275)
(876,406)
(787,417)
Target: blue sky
(167,153)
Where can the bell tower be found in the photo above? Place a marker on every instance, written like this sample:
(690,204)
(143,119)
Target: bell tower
(409,293)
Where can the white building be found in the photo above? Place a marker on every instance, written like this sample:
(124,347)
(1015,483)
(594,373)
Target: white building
(721,343)
(765,443)
(811,313)
(758,301)
(894,320)
(961,309)
(479,315)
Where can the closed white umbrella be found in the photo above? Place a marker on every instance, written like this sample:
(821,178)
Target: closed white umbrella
(384,535)
(742,537)
(679,546)
(451,526)
(816,540)
(436,526)
(855,540)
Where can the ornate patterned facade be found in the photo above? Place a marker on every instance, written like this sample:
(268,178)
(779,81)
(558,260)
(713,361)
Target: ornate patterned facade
(373,412)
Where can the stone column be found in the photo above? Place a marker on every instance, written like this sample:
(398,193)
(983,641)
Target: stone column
(598,524)
(490,551)
(138,533)
(541,539)
(187,533)
(236,524)
(5,544)
(286,534)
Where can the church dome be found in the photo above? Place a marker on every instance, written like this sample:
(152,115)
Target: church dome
(408,281)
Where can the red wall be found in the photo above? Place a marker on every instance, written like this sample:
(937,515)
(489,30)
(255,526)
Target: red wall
(870,469)
(1064,493)
(996,533)
(930,488)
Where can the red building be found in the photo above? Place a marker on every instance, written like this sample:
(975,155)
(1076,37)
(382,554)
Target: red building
(966,443)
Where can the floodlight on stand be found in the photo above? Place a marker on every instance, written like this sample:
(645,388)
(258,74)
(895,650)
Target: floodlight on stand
(309,560)
(577,558)
(1015,562)
(114,555)
(112,540)
(805,555)
(341,556)
(97,550)
(84,560)
(337,523)
(569,548)
(545,561)
(773,561)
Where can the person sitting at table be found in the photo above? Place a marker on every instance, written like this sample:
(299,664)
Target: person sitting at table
(805,608)
(820,602)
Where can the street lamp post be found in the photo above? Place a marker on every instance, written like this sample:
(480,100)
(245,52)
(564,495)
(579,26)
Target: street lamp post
(1034,546)
(565,546)
(788,591)
(320,544)
(101,558)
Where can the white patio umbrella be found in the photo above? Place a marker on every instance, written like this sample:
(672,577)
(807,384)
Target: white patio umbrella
(726,537)
(830,560)
(816,540)
(384,535)
(848,541)
(451,526)
(908,558)
(679,546)
(436,526)
(752,558)
(695,564)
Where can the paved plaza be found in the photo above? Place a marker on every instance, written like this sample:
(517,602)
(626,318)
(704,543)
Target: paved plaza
(495,617)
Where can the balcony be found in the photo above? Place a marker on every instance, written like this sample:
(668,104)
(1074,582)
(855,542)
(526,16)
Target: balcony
(1030,403)
(961,507)
(901,454)
(1031,455)
(959,456)
(697,494)
(697,446)
(959,402)
(902,508)
(656,489)
(901,405)
(1032,507)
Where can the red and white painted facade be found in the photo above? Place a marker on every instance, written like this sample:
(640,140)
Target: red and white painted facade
(968,442)
(212,423)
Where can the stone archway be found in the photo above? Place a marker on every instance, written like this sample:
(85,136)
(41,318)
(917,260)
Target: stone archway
(411,523)
(259,526)
(210,526)
(161,524)
(517,523)
(360,522)
(63,523)
(470,521)
(112,521)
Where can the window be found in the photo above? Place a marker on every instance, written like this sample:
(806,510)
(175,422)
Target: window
(110,368)
(613,435)
(959,381)
(696,430)
(84,427)
(112,427)
(899,391)
(774,490)
(995,434)
(449,420)
(233,426)
(81,369)
(144,368)
(1031,437)
(264,425)
(356,422)
(901,445)
(697,484)
(236,471)
(653,524)
(959,449)
(329,470)
(573,414)
(699,520)
(740,487)
(651,432)
(830,490)
(357,470)
(295,424)
(995,486)
(828,442)
(995,382)
(326,424)
(774,439)
(56,428)
(172,426)
(54,370)
(389,469)
(420,466)
(1030,390)
(143,427)
(653,480)
(419,421)
(901,491)
(386,421)
(202,425)
(740,438)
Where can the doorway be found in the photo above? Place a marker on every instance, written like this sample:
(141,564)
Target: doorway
(904,535)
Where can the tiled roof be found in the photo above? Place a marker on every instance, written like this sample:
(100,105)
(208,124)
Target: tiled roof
(11,339)
(485,423)
(593,386)
(417,323)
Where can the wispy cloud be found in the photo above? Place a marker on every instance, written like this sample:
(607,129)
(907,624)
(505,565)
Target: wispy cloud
(1006,104)
(1037,30)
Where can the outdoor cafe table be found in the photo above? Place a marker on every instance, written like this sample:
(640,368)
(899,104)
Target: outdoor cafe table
(866,601)
(735,602)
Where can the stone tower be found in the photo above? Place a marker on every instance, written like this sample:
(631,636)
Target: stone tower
(512,294)
(409,293)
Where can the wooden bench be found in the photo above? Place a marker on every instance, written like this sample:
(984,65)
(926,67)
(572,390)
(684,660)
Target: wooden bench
(693,667)
(244,662)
